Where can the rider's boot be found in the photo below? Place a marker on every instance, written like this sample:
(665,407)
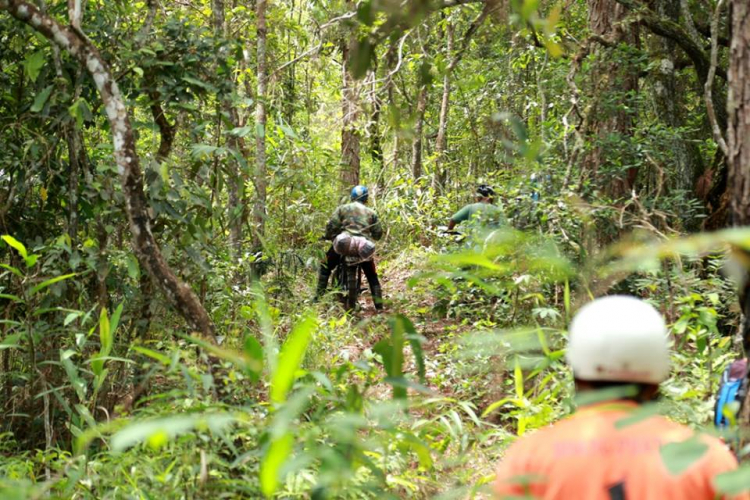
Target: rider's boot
(323,274)
(377,297)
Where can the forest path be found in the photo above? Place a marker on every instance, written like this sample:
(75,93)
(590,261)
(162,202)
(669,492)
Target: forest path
(445,371)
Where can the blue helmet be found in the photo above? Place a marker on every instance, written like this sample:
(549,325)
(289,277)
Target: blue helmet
(359,193)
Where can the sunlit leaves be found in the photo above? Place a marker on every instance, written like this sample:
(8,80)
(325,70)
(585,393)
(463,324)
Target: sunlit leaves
(44,284)
(277,453)
(29,259)
(290,359)
(157,433)
(16,245)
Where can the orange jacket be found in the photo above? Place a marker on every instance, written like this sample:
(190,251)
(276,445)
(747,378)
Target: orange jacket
(597,455)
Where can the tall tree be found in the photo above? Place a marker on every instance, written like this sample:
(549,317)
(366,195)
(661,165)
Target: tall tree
(416,145)
(738,136)
(350,136)
(236,179)
(738,149)
(669,102)
(611,78)
(441,142)
(259,210)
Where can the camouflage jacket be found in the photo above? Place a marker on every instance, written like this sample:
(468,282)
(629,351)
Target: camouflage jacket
(356,219)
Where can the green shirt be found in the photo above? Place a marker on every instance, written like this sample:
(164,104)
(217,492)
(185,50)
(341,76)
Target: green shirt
(485,214)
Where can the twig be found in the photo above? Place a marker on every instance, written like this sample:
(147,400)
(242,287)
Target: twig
(317,48)
(708,94)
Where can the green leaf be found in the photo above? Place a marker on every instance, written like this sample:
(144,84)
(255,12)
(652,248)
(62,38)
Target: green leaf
(270,465)
(198,83)
(11,341)
(71,317)
(365,13)
(31,260)
(361,57)
(105,338)
(518,378)
(242,131)
(290,358)
(415,341)
(734,482)
(134,270)
(12,269)
(254,351)
(114,321)
(158,432)
(34,63)
(51,281)
(200,151)
(105,334)
(17,245)
(471,259)
(161,358)
(494,406)
(678,457)
(41,99)
(8,296)
(392,351)
(81,111)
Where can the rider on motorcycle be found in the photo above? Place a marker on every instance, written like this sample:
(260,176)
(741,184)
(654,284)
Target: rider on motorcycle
(484,210)
(356,219)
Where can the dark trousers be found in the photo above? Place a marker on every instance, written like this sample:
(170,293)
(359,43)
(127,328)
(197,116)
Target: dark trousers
(333,259)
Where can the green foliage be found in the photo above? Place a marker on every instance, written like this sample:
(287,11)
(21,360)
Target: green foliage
(106,392)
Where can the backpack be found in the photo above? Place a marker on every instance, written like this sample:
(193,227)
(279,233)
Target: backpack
(733,388)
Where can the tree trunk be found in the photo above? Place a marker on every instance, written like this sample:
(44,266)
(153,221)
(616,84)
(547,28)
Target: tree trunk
(75,12)
(669,105)
(739,113)
(441,174)
(738,144)
(259,209)
(178,293)
(373,128)
(235,179)
(416,145)
(73,138)
(605,20)
(350,137)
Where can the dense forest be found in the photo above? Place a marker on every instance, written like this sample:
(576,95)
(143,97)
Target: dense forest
(167,172)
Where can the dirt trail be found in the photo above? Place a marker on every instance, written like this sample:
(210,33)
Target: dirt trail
(440,333)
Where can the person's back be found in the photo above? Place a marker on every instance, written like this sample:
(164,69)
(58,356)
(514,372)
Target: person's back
(356,219)
(481,214)
(618,350)
(484,214)
(596,454)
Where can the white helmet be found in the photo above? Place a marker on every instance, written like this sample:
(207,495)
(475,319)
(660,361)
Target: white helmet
(619,339)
